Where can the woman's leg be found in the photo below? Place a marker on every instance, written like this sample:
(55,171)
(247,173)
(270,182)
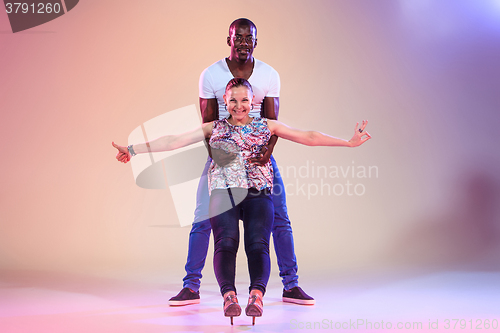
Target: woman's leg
(225,228)
(258,215)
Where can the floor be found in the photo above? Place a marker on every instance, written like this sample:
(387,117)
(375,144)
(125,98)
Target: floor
(425,302)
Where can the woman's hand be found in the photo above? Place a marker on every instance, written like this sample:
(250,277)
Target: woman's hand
(360,136)
(123,153)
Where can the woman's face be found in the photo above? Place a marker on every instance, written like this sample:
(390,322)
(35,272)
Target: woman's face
(239,102)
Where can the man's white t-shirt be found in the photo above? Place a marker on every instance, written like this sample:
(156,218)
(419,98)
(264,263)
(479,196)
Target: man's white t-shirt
(265,82)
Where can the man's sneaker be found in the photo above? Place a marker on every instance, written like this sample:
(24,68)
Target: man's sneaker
(185,297)
(298,296)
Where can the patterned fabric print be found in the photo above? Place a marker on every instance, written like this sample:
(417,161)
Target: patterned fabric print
(245,141)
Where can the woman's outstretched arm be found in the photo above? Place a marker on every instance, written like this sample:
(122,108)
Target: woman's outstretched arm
(167,142)
(314,138)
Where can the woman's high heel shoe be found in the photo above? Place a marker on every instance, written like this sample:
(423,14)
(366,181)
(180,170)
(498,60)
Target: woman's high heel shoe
(254,307)
(231,307)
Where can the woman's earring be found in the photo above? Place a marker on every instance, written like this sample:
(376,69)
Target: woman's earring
(251,108)
(225,107)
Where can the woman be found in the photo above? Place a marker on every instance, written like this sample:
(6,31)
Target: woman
(241,190)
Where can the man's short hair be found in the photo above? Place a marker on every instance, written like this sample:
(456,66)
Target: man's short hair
(243,22)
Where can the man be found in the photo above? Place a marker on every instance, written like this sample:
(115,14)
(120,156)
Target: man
(266,86)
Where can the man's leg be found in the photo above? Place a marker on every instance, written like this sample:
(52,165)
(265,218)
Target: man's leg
(283,244)
(199,238)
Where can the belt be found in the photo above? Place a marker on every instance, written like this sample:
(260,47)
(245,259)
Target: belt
(255,191)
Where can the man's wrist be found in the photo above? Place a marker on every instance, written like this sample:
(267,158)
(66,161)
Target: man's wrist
(270,149)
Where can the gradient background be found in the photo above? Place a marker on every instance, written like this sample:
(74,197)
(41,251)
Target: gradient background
(425,73)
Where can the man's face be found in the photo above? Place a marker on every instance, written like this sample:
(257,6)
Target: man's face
(242,42)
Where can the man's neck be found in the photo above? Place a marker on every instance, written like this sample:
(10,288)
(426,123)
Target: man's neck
(238,68)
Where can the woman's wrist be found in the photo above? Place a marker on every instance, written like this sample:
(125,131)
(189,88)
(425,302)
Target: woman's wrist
(131,150)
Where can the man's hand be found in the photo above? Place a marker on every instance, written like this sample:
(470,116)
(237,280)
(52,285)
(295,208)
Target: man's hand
(221,157)
(263,158)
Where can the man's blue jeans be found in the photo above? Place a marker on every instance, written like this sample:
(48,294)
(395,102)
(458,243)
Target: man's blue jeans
(200,234)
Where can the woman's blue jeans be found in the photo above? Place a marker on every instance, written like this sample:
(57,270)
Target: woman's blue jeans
(257,213)
(200,234)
